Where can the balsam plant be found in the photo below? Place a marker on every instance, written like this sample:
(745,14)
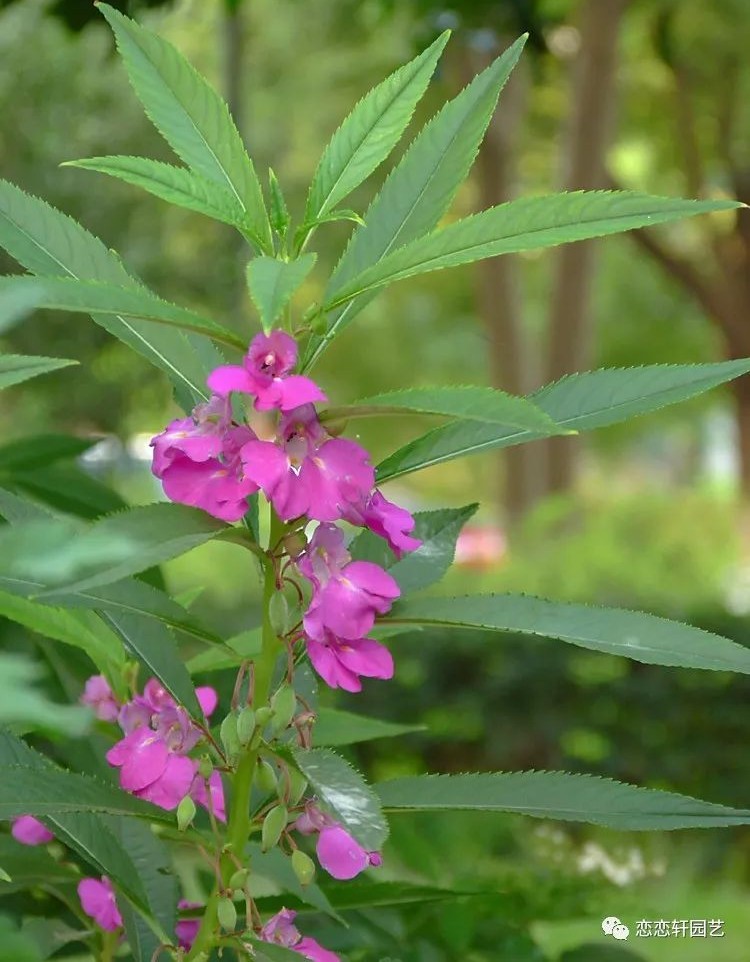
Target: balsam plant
(241,787)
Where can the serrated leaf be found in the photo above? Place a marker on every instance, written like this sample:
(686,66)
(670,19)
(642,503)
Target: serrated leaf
(578,402)
(438,532)
(98,297)
(49,243)
(17,368)
(41,450)
(420,189)
(277,867)
(522,225)
(558,795)
(630,634)
(191,116)
(176,185)
(370,132)
(247,644)
(16,303)
(69,489)
(23,703)
(344,791)
(273,283)
(335,728)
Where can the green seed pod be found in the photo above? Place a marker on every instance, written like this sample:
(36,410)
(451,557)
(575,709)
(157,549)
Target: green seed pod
(278,614)
(304,867)
(245,726)
(205,767)
(284,705)
(265,777)
(273,825)
(185,813)
(297,785)
(263,716)
(229,737)
(336,426)
(227,914)
(238,880)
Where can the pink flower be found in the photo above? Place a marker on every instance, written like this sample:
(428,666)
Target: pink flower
(338,852)
(341,663)
(198,438)
(98,695)
(150,770)
(280,930)
(265,373)
(29,831)
(385,519)
(202,790)
(208,699)
(98,902)
(186,929)
(308,472)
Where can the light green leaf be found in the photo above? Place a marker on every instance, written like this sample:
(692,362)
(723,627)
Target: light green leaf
(16,303)
(273,283)
(437,530)
(191,117)
(248,644)
(267,952)
(277,867)
(578,402)
(22,703)
(97,297)
(343,790)
(370,132)
(176,185)
(558,795)
(631,634)
(521,225)
(420,189)
(334,728)
(16,368)
(49,243)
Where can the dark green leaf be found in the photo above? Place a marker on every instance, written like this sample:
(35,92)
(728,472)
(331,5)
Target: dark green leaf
(334,727)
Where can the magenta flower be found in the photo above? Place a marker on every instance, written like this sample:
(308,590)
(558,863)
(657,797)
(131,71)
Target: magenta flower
(385,519)
(186,929)
(208,699)
(98,902)
(150,770)
(212,788)
(29,831)
(197,438)
(265,374)
(341,663)
(280,930)
(338,852)
(99,696)
(308,472)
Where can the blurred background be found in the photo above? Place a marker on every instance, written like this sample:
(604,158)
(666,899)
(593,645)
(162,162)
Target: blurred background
(653,514)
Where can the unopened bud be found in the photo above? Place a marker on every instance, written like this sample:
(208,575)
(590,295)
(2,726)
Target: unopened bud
(273,825)
(263,716)
(245,726)
(336,426)
(266,777)
(227,914)
(205,767)
(294,543)
(278,614)
(185,813)
(304,867)
(229,737)
(237,881)
(284,704)
(297,785)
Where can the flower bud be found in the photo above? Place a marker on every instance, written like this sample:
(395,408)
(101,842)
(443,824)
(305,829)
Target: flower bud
(205,767)
(297,785)
(229,737)
(245,726)
(227,914)
(238,880)
(278,614)
(304,867)
(294,543)
(263,716)
(336,427)
(265,776)
(273,825)
(185,813)
(284,704)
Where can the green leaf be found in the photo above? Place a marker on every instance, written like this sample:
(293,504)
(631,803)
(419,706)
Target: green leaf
(334,728)
(631,634)
(176,185)
(191,117)
(277,867)
(16,368)
(49,243)
(273,283)
(41,450)
(578,402)
(67,488)
(343,790)
(22,703)
(437,530)
(558,795)
(522,225)
(420,189)
(16,303)
(97,297)
(370,132)
(267,952)
(248,644)
(597,952)
(50,935)
(16,946)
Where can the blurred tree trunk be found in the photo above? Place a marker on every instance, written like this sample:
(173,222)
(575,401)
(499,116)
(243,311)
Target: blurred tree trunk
(588,135)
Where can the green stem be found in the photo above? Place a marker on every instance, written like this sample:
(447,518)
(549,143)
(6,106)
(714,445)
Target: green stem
(238,827)
(110,941)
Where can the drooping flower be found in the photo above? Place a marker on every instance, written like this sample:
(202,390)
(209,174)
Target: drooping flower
(341,663)
(30,831)
(385,519)
(280,930)
(338,852)
(264,373)
(150,770)
(308,472)
(98,902)
(99,696)
(186,929)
